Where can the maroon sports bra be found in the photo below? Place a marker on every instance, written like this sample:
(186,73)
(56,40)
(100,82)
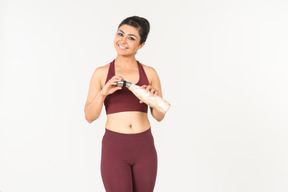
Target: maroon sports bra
(123,99)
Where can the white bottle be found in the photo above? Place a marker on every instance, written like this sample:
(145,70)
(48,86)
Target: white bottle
(155,102)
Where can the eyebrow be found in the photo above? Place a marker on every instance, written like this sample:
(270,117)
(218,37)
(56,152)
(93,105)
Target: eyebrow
(128,34)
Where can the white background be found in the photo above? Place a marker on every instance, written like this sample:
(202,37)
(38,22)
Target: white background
(223,67)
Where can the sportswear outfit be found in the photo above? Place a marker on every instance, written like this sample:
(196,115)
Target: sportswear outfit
(128,161)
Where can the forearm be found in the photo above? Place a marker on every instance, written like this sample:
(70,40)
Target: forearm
(157,114)
(93,109)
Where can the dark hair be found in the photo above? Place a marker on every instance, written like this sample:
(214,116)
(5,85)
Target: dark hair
(140,23)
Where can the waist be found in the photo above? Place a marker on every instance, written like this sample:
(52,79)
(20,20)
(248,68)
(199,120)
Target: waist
(117,135)
(128,122)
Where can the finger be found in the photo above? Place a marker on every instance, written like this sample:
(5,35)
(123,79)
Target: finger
(152,92)
(155,92)
(113,83)
(114,89)
(117,78)
(148,88)
(114,80)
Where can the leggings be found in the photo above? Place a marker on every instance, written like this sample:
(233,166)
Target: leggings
(128,162)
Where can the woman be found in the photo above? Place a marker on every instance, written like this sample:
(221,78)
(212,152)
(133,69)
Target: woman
(129,158)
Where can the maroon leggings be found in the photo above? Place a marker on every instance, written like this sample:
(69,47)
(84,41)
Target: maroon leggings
(128,162)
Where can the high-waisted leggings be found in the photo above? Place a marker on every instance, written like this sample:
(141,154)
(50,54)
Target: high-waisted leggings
(128,162)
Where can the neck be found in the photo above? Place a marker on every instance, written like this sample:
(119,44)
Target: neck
(125,61)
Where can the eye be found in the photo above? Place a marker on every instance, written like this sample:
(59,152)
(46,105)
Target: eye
(131,38)
(120,34)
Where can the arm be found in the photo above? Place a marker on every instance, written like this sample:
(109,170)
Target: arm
(155,89)
(97,94)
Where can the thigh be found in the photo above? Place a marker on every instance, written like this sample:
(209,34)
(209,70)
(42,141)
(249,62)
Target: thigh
(116,176)
(145,170)
(115,168)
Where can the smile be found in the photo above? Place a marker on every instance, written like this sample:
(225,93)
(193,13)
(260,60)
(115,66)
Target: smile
(121,47)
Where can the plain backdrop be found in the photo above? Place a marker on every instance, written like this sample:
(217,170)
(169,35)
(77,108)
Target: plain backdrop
(222,65)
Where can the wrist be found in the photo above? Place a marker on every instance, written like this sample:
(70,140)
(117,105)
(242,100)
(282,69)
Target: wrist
(102,94)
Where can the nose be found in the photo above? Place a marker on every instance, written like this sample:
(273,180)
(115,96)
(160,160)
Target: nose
(123,40)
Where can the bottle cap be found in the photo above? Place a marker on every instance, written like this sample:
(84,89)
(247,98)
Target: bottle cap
(121,83)
(124,83)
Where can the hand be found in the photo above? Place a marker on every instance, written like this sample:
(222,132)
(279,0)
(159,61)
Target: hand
(111,86)
(152,91)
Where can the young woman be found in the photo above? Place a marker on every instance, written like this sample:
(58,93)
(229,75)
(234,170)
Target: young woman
(129,157)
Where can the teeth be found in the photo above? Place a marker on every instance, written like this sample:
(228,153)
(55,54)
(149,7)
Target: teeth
(121,47)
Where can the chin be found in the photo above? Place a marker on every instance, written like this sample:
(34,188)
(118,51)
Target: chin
(125,55)
(122,53)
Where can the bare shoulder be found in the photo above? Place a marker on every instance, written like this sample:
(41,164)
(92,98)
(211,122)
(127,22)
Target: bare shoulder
(99,75)
(150,71)
(101,70)
(153,78)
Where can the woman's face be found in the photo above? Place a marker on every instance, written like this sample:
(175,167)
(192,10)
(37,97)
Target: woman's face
(127,40)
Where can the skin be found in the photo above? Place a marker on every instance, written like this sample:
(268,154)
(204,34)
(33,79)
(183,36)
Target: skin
(126,43)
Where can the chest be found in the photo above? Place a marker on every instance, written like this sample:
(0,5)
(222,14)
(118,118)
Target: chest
(132,74)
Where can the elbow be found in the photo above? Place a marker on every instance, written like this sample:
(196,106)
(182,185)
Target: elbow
(158,116)
(90,116)
(90,119)
(159,119)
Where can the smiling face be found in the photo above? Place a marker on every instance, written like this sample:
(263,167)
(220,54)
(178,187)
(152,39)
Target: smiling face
(127,41)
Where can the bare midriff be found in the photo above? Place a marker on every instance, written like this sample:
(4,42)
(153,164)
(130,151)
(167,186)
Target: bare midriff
(128,122)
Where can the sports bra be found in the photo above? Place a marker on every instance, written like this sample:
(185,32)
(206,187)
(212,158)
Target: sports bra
(123,99)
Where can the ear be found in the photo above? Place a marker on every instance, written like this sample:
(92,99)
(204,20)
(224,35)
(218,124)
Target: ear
(140,46)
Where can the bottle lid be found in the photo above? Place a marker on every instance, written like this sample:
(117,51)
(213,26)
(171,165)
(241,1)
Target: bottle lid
(124,83)
(121,83)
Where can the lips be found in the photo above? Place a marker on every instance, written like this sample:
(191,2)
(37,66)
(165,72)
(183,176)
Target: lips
(122,47)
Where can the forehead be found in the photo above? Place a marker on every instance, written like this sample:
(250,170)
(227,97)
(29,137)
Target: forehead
(129,29)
